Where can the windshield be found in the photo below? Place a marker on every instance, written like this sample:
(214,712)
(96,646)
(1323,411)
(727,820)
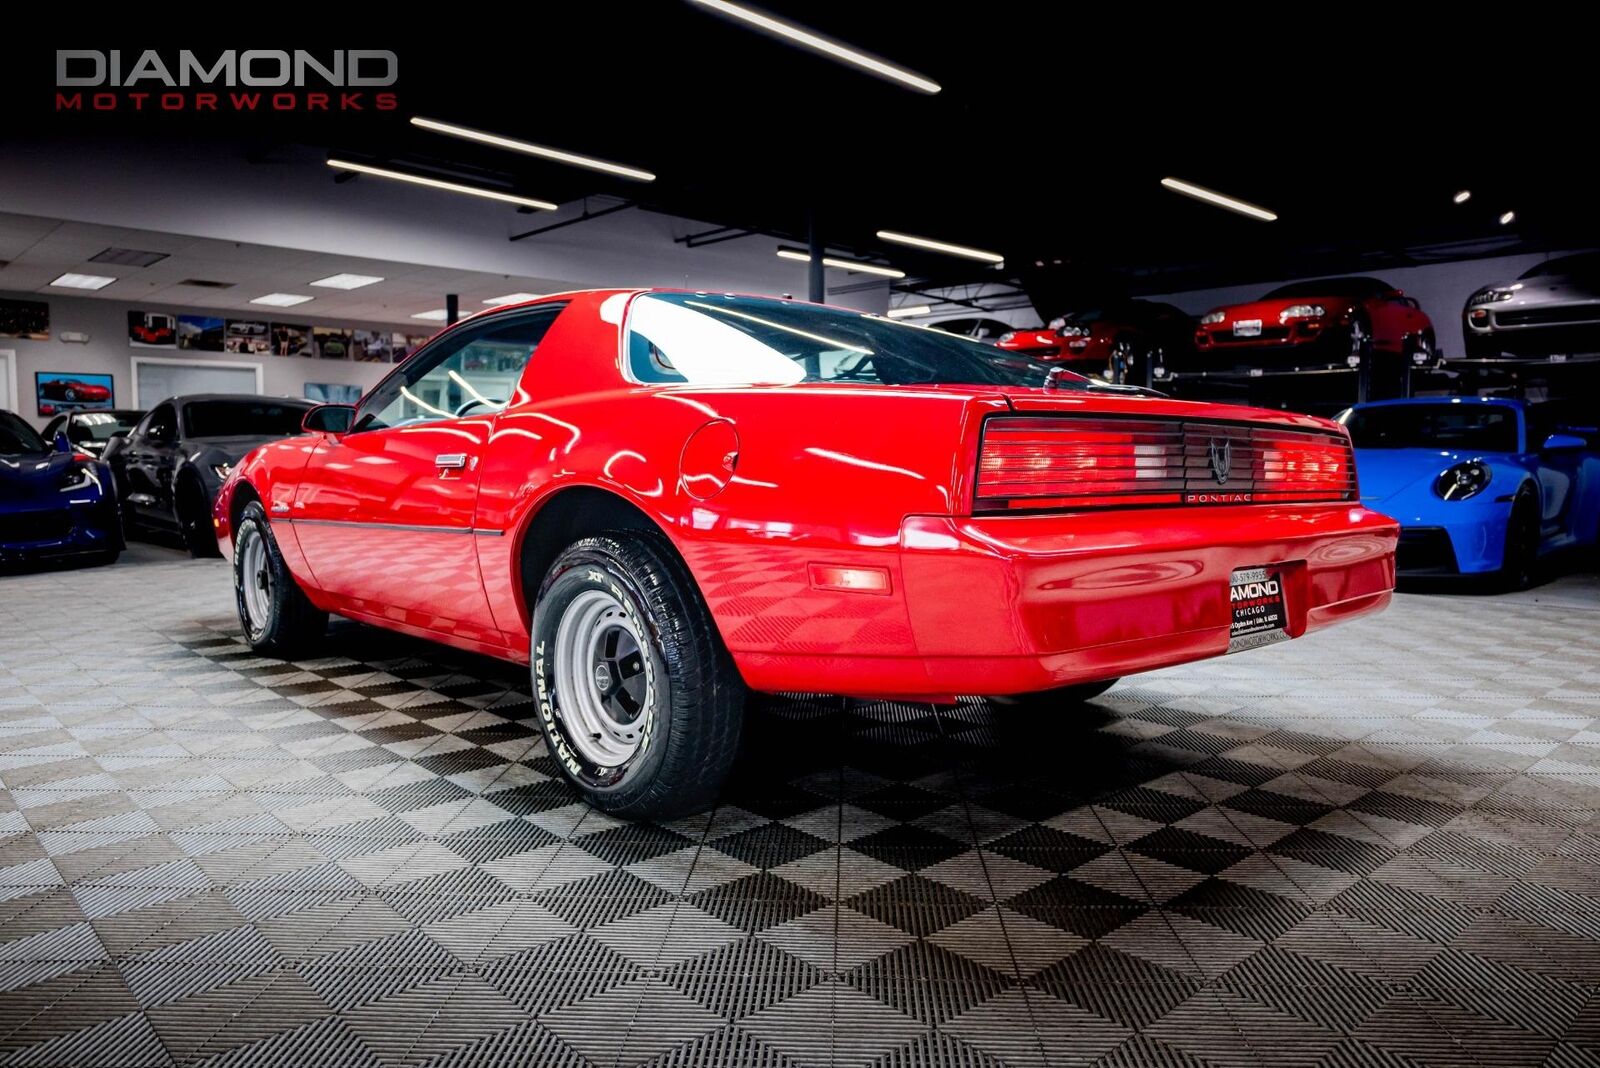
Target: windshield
(1458,427)
(17,437)
(99,426)
(1582,265)
(709,339)
(242,418)
(1331,287)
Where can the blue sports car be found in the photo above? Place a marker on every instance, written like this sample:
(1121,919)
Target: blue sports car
(54,502)
(1480,485)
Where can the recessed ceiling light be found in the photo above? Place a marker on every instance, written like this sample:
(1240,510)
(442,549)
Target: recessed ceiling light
(346,281)
(82,281)
(1507,218)
(437,315)
(128,257)
(940,246)
(512,298)
(438,183)
(826,46)
(1463,196)
(906,311)
(570,158)
(1211,196)
(845,265)
(281,300)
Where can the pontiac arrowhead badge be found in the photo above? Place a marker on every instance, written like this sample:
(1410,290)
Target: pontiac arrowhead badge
(1221,452)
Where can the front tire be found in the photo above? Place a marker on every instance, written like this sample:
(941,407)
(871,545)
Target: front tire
(640,704)
(1519,566)
(277,617)
(1058,698)
(194,521)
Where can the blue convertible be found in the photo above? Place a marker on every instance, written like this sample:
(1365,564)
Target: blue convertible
(53,502)
(1480,485)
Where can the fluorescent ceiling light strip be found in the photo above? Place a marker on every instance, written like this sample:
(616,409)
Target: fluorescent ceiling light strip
(570,158)
(512,298)
(779,326)
(826,46)
(940,246)
(281,300)
(438,183)
(844,265)
(437,315)
(1211,196)
(908,310)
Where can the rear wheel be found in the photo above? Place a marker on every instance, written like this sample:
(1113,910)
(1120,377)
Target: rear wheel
(1060,697)
(639,701)
(277,617)
(1519,566)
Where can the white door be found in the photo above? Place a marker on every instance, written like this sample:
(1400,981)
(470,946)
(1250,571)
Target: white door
(8,383)
(159,379)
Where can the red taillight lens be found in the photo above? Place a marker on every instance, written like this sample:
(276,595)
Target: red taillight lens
(1026,462)
(1042,463)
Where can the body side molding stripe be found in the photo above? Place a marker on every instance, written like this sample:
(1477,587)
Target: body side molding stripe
(410,527)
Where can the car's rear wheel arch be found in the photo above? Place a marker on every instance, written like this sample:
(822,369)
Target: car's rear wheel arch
(561,519)
(243,494)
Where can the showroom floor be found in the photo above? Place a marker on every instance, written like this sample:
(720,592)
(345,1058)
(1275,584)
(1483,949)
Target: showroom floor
(1378,846)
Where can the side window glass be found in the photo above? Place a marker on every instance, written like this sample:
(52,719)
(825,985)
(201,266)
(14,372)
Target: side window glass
(474,372)
(162,425)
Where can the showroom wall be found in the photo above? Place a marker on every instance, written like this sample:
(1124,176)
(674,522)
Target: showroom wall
(108,352)
(1442,289)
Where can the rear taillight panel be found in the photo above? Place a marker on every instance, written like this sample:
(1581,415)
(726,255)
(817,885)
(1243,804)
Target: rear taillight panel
(1059,463)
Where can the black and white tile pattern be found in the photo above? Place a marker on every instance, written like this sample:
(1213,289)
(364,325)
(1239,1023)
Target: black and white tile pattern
(1378,846)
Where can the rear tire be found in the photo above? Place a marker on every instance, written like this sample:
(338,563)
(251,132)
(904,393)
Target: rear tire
(640,703)
(1519,567)
(1058,698)
(277,618)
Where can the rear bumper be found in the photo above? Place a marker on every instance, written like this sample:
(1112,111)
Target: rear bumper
(1015,604)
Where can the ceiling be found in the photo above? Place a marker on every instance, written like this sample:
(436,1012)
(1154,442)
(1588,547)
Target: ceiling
(41,250)
(1055,125)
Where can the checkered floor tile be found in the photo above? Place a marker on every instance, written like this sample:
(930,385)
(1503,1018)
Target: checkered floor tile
(1378,846)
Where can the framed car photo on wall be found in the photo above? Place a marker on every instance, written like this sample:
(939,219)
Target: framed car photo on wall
(66,391)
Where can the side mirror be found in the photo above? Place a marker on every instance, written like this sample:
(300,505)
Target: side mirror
(1559,442)
(60,442)
(329,419)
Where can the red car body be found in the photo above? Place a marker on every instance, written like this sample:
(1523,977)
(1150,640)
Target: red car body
(1279,328)
(67,389)
(872,540)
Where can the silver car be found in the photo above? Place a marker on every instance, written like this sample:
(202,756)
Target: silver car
(1551,308)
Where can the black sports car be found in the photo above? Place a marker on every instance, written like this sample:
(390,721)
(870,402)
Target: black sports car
(169,467)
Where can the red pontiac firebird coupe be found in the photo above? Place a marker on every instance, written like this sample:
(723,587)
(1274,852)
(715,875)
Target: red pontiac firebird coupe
(661,499)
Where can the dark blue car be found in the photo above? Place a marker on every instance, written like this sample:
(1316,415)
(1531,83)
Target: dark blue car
(1480,485)
(54,502)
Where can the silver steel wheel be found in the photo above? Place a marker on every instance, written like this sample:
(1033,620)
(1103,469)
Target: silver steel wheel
(1358,338)
(1121,361)
(604,683)
(255,579)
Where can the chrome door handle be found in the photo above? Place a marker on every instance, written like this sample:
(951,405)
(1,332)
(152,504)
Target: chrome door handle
(450,461)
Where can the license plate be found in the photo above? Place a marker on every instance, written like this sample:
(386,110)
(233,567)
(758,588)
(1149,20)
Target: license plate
(1255,596)
(1247,328)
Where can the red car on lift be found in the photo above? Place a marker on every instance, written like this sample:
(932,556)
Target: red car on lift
(1324,322)
(661,499)
(1114,339)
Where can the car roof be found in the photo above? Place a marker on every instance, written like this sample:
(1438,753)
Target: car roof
(192,398)
(1504,402)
